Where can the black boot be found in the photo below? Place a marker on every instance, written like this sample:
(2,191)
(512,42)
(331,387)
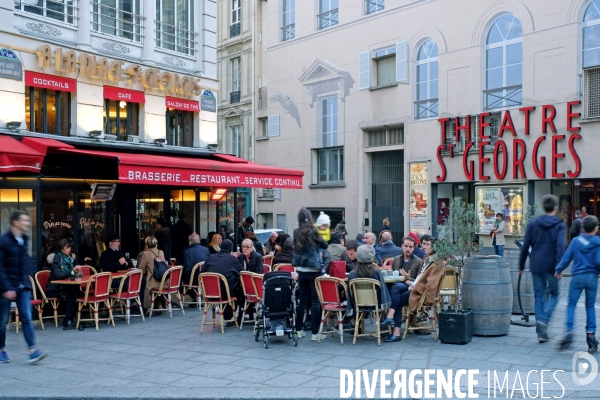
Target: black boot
(565,344)
(592,343)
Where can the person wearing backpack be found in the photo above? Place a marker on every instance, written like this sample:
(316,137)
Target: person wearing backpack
(147,262)
(577,227)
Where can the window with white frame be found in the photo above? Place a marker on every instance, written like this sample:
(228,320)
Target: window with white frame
(288,26)
(175,26)
(235,80)
(385,137)
(426,105)
(329,121)
(330,165)
(504,64)
(591,60)
(236,16)
(328,13)
(120,18)
(264,127)
(236,140)
(372,6)
(59,10)
(385,60)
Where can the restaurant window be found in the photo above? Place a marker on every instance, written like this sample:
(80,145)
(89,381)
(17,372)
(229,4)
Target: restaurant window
(121,118)
(120,18)
(236,140)
(504,64)
(288,27)
(47,111)
(329,121)
(180,128)
(330,165)
(90,217)
(57,218)
(426,105)
(385,60)
(19,199)
(59,10)
(328,13)
(175,25)
(183,201)
(150,207)
(591,60)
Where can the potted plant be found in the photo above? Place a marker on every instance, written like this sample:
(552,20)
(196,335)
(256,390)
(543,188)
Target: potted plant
(457,242)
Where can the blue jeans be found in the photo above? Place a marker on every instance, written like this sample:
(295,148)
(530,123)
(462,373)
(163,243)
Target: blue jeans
(499,250)
(579,283)
(24,306)
(543,308)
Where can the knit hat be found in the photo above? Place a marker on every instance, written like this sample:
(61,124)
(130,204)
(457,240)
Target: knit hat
(226,246)
(365,254)
(323,219)
(414,236)
(249,220)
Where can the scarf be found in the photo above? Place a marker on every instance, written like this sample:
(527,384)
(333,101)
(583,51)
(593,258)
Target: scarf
(66,262)
(326,234)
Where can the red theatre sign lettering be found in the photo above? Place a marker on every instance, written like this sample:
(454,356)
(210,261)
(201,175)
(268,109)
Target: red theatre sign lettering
(515,153)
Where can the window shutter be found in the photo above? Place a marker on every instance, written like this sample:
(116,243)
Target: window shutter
(364,70)
(277,194)
(401,61)
(273,128)
(591,88)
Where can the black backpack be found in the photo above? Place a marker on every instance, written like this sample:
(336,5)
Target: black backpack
(160,268)
(576,228)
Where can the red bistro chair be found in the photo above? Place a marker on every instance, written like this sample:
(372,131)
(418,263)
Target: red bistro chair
(284,267)
(268,260)
(266,268)
(37,304)
(257,282)
(387,264)
(331,303)
(213,297)
(133,293)
(168,289)
(249,294)
(41,279)
(193,286)
(100,284)
(86,271)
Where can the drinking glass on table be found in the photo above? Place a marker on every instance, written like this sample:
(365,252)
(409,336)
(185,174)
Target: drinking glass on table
(172,264)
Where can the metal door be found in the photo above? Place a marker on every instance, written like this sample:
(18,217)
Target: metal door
(388,191)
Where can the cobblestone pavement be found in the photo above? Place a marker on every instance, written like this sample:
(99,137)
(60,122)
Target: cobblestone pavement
(169,358)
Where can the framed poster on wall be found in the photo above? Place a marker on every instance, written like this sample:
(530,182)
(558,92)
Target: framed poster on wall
(419,195)
(507,200)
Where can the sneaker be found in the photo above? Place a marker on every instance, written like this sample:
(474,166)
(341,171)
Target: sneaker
(542,329)
(36,356)
(315,338)
(301,334)
(4,357)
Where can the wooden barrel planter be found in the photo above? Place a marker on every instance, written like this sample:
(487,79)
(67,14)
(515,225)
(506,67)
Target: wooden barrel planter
(487,291)
(527,297)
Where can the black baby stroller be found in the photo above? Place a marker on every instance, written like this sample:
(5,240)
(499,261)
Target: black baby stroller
(277,313)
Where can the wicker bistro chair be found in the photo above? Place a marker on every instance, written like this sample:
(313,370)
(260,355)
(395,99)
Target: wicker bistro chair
(249,294)
(169,286)
(132,293)
(331,304)
(214,297)
(387,264)
(284,267)
(268,259)
(431,311)
(364,291)
(41,280)
(100,284)
(192,286)
(37,304)
(449,287)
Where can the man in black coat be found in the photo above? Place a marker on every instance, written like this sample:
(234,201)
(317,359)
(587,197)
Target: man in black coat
(192,256)
(180,233)
(163,237)
(113,259)
(227,265)
(15,268)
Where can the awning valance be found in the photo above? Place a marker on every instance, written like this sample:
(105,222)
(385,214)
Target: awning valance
(16,156)
(181,171)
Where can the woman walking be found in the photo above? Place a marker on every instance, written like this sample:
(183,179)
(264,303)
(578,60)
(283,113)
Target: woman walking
(307,261)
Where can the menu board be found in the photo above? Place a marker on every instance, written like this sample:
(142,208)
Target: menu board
(419,180)
(507,200)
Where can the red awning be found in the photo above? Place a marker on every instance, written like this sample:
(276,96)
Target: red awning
(180,171)
(15,156)
(53,82)
(42,145)
(121,94)
(182,104)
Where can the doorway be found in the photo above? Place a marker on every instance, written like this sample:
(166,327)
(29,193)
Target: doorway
(388,191)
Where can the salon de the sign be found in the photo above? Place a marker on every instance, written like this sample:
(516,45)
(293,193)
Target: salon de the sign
(543,156)
(66,61)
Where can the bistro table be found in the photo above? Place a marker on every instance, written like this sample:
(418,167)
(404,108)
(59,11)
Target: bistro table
(394,279)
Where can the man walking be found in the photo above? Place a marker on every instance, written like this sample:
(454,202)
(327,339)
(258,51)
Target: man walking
(546,237)
(15,267)
(585,252)
(576,228)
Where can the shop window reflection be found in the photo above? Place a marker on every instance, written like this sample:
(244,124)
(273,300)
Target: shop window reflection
(150,207)
(19,199)
(91,222)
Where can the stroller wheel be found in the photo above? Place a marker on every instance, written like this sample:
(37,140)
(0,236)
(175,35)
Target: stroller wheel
(295,338)
(256,334)
(266,342)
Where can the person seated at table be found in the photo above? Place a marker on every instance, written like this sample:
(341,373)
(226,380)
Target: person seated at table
(269,245)
(146,265)
(257,245)
(250,259)
(408,262)
(286,254)
(410,292)
(62,265)
(113,259)
(366,269)
(279,242)
(215,243)
(349,255)
(193,255)
(227,265)
(336,246)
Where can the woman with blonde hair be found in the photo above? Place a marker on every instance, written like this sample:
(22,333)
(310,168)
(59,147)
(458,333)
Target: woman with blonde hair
(386,224)
(146,264)
(215,244)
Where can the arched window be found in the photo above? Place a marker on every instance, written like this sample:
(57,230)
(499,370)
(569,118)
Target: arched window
(504,63)
(426,105)
(591,60)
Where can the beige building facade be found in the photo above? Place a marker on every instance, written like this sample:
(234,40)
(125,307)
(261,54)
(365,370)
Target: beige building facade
(394,107)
